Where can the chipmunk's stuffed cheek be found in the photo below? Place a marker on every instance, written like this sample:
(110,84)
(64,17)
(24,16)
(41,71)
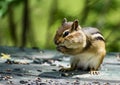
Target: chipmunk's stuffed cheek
(74,41)
(67,42)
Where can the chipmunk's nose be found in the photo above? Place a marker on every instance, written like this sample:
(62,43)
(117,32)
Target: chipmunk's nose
(57,42)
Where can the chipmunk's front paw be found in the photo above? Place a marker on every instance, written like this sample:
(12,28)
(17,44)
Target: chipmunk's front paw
(94,72)
(66,69)
(61,49)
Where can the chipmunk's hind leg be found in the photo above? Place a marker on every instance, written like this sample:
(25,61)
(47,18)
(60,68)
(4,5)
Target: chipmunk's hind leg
(73,67)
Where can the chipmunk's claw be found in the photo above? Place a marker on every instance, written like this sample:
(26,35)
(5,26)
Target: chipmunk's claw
(66,69)
(94,72)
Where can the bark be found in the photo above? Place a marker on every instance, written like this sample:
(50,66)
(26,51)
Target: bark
(25,24)
(12,24)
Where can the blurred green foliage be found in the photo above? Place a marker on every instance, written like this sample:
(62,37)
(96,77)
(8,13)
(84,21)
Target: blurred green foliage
(45,17)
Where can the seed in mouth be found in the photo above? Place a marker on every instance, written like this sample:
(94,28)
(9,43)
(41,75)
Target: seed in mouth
(61,46)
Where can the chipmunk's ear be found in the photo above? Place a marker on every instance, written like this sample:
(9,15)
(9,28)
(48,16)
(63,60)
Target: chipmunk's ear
(64,21)
(75,25)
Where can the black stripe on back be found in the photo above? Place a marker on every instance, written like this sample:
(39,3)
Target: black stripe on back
(99,38)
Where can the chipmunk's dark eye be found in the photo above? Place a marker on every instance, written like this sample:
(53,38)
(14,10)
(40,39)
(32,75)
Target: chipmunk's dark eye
(65,33)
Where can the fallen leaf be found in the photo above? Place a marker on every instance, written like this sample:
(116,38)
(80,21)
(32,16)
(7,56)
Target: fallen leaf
(5,56)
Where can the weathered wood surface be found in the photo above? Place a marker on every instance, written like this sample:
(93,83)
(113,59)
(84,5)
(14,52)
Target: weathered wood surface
(38,67)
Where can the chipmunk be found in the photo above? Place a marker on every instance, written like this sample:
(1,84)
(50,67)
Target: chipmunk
(86,45)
